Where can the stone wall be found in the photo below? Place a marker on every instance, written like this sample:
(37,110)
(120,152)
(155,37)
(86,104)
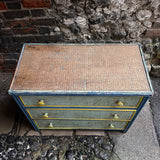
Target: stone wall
(79,21)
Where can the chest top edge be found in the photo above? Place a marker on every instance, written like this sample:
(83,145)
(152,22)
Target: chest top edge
(78,93)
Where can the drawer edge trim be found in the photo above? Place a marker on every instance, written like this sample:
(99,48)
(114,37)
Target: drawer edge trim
(134,111)
(79,105)
(80,127)
(88,119)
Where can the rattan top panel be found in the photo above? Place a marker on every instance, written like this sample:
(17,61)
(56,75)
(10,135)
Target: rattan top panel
(111,67)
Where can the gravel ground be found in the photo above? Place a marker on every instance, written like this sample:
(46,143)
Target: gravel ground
(155,105)
(55,148)
(13,147)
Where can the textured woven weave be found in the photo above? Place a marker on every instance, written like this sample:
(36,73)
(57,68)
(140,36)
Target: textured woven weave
(81,68)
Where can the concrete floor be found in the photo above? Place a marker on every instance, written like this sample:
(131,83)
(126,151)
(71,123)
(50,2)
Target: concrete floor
(155,105)
(139,143)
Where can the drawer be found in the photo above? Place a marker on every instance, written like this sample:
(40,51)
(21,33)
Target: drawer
(90,114)
(80,124)
(81,101)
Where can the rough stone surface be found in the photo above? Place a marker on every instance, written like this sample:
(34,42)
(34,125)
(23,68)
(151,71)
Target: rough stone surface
(81,22)
(144,15)
(85,21)
(62,148)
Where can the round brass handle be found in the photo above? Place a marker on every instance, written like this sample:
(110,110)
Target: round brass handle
(111,126)
(115,116)
(50,125)
(45,115)
(119,103)
(41,102)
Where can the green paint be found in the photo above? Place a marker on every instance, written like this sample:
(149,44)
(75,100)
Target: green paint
(89,114)
(82,100)
(81,124)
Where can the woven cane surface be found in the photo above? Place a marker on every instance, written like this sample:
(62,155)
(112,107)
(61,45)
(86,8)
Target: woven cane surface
(81,68)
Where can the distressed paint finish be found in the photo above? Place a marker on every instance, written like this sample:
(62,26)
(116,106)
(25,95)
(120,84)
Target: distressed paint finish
(79,85)
(81,101)
(80,124)
(81,114)
(78,93)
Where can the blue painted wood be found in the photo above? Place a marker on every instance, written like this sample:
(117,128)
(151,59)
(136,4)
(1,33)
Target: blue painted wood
(146,70)
(74,93)
(81,44)
(25,112)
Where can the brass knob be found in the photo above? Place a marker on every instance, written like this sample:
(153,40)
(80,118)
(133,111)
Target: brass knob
(41,102)
(120,103)
(50,125)
(45,115)
(111,126)
(115,116)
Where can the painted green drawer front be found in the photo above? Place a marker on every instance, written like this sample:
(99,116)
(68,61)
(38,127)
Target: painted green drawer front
(80,100)
(82,114)
(80,124)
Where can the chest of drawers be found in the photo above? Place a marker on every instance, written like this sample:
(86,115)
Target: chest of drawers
(87,86)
